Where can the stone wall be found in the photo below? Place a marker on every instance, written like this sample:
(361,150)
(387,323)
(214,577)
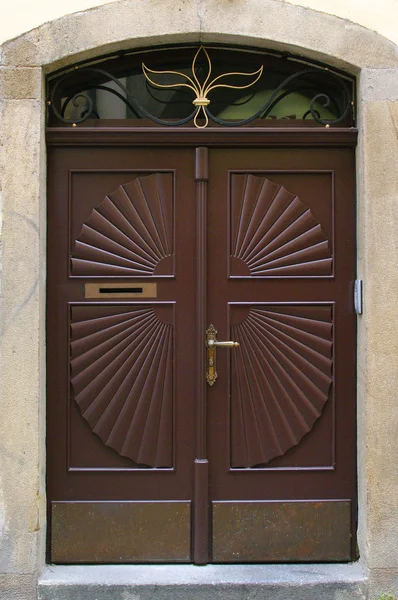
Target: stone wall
(381,17)
(132,23)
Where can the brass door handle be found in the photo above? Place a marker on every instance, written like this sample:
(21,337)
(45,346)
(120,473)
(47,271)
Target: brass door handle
(222,344)
(212,344)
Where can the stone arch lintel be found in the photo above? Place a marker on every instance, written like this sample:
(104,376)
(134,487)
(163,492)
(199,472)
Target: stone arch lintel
(262,23)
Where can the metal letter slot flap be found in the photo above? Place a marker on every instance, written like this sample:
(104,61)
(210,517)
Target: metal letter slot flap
(121,290)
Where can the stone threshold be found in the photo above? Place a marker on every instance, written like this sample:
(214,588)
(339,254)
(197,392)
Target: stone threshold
(211,582)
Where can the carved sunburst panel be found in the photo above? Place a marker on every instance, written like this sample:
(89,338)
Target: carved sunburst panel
(281,379)
(128,231)
(274,232)
(122,376)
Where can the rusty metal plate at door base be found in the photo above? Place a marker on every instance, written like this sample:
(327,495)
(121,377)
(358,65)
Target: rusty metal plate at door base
(281,531)
(120,532)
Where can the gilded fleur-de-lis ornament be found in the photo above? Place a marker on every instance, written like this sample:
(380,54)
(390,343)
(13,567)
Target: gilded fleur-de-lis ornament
(202,90)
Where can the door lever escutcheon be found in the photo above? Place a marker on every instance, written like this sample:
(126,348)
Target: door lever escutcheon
(211,345)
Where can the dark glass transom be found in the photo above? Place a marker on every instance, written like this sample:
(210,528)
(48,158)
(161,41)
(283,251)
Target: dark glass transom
(201,86)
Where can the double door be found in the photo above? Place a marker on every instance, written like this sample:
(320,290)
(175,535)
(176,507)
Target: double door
(163,446)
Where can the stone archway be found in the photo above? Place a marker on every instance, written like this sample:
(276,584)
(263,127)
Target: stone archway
(128,24)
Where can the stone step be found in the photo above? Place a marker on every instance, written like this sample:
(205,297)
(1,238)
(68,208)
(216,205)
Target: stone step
(211,582)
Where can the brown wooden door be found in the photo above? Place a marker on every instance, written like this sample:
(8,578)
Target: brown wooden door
(121,393)
(146,249)
(281,414)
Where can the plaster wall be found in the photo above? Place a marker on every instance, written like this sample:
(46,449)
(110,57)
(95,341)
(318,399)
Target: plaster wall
(130,23)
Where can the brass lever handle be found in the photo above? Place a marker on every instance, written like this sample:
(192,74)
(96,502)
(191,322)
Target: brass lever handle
(212,344)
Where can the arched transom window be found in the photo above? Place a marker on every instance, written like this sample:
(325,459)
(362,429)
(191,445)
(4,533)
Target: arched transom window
(201,86)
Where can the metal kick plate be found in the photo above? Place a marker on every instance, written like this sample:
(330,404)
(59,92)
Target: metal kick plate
(120,532)
(306,531)
(121,290)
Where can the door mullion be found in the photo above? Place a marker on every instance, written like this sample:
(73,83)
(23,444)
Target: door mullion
(201,497)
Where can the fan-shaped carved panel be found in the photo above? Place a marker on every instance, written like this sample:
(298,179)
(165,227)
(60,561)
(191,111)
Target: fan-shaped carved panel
(130,232)
(122,378)
(281,378)
(273,233)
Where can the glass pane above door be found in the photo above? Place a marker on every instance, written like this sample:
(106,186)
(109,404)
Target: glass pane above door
(201,86)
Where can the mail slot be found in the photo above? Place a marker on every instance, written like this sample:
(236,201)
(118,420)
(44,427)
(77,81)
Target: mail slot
(121,290)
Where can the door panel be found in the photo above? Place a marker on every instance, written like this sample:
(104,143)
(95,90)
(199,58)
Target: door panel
(281,415)
(281,377)
(122,378)
(273,233)
(130,233)
(120,382)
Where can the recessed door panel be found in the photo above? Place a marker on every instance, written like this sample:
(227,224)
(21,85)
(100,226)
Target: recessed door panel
(281,224)
(130,232)
(281,378)
(122,380)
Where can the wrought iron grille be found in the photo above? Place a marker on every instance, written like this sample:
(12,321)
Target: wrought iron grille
(198,86)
